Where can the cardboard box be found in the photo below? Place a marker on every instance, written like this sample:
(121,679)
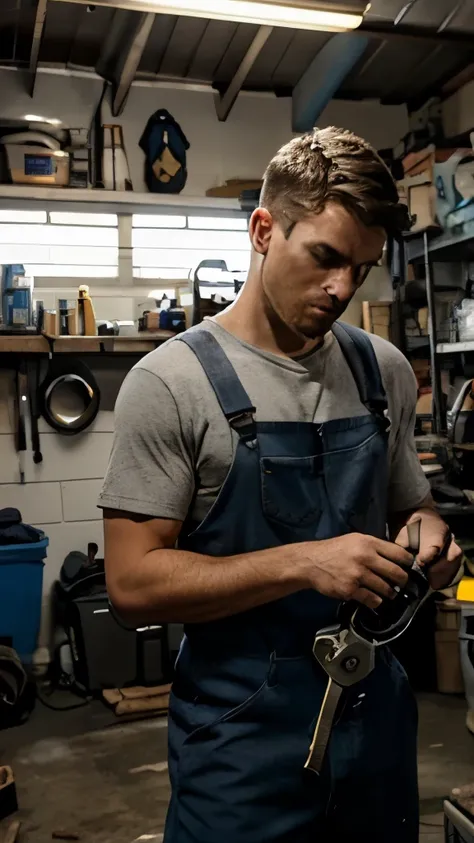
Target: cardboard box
(423,315)
(448,662)
(419,193)
(424,404)
(36,165)
(421,172)
(233,188)
(448,615)
(152,321)
(376,318)
(50,325)
(424,160)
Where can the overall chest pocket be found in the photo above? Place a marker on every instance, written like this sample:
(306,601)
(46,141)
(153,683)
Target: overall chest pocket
(293,489)
(356,480)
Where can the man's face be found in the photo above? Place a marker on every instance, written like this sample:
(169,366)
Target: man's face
(309,277)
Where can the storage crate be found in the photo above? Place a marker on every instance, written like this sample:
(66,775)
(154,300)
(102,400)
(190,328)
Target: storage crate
(21,588)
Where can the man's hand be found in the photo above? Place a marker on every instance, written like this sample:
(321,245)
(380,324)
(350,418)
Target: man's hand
(355,567)
(433,535)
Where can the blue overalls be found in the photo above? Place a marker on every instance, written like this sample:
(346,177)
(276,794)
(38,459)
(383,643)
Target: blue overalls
(248,690)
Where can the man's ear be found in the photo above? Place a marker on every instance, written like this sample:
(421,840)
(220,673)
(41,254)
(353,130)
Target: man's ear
(260,230)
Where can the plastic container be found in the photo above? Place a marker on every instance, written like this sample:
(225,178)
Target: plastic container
(21,588)
(465,318)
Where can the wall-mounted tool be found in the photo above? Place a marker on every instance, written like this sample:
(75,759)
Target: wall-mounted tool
(33,385)
(69,396)
(346,651)
(20,412)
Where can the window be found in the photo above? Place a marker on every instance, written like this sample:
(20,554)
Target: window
(158,221)
(69,245)
(165,247)
(169,247)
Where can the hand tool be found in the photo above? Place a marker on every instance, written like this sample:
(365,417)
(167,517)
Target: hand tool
(21,402)
(347,650)
(33,381)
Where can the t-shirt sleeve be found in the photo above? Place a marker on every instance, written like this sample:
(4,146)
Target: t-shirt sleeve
(408,486)
(150,471)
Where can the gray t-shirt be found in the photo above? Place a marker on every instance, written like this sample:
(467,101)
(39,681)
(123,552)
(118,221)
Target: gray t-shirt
(173,446)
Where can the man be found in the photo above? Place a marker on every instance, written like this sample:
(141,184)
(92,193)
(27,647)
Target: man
(249,491)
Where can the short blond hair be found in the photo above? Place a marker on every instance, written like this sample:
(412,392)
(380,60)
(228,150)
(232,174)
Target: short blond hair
(332,165)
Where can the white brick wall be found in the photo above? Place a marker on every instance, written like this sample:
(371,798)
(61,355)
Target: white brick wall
(60,495)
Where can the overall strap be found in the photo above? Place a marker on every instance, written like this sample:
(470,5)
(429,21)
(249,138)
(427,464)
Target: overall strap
(360,356)
(232,397)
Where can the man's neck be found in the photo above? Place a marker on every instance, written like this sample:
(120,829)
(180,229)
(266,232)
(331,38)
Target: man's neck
(250,320)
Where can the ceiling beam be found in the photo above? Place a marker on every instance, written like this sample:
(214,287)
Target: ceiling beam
(458,81)
(324,76)
(128,64)
(121,53)
(409,79)
(408,32)
(225,102)
(36,42)
(450,16)
(404,11)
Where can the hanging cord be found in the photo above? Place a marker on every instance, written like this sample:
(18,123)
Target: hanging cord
(52,707)
(63,682)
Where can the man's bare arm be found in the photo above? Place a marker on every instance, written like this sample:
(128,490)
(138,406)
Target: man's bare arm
(148,580)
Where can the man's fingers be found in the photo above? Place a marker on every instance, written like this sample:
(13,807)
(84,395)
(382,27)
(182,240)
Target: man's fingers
(367,598)
(394,553)
(433,545)
(454,554)
(378,585)
(441,574)
(402,538)
(396,574)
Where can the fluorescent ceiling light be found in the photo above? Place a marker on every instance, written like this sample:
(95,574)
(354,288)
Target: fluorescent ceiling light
(245,11)
(271,14)
(36,118)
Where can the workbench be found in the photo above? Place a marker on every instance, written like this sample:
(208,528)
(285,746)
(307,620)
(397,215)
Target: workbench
(44,344)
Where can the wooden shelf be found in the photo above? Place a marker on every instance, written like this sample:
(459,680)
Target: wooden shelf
(23,344)
(40,344)
(14,196)
(442,245)
(454,508)
(455,347)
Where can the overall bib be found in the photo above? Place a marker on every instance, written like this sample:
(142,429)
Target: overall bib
(247,690)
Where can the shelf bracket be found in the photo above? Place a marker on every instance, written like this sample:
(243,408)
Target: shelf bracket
(36,43)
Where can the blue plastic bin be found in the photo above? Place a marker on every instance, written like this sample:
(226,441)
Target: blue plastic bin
(21,588)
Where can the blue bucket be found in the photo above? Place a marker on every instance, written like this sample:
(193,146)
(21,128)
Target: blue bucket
(21,588)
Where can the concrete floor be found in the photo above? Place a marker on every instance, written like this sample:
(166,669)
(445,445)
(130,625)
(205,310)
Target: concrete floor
(76,771)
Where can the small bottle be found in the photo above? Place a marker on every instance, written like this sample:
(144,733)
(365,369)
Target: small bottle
(86,315)
(164,315)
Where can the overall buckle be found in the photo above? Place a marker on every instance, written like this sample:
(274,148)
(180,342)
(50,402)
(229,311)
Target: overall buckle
(244,424)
